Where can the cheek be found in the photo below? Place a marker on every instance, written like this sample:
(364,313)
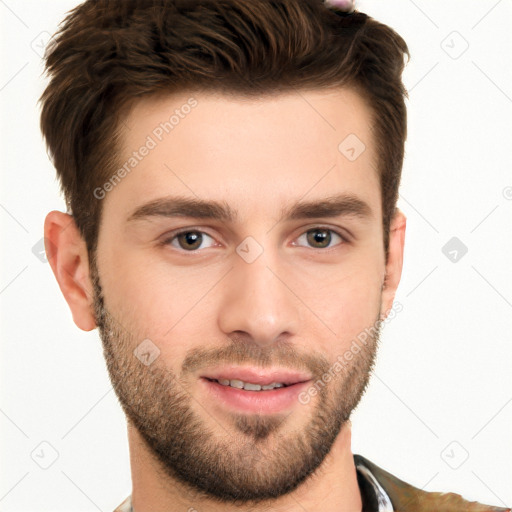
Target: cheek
(351,302)
(358,309)
(166,305)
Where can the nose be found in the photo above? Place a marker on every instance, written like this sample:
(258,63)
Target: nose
(257,301)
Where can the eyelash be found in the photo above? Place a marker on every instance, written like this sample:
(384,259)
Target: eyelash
(174,235)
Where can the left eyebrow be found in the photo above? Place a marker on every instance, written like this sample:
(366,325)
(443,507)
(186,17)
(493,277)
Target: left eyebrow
(334,206)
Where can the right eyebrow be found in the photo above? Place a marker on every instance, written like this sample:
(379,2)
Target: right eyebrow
(184,207)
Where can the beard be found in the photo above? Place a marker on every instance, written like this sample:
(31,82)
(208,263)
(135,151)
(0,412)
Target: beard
(256,457)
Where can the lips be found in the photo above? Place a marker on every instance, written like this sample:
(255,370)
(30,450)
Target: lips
(259,376)
(272,401)
(249,386)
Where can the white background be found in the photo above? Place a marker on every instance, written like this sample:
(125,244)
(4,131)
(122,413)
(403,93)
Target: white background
(438,412)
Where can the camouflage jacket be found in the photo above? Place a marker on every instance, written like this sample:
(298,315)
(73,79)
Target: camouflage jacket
(383,492)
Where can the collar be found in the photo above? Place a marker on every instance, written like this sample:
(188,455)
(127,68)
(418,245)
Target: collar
(373,496)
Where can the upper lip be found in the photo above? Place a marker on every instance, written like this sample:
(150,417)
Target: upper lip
(260,376)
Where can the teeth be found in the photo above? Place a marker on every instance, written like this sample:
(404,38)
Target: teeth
(249,386)
(252,387)
(236,384)
(273,385)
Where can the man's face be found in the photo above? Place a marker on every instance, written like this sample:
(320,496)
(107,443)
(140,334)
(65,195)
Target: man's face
(262,297)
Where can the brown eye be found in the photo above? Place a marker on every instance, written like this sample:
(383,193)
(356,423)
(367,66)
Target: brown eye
(189,240)
(321,238)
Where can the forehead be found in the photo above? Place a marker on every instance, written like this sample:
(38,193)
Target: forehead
(252,152)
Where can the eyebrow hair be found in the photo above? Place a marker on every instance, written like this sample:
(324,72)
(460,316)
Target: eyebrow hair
(333,206)
(178,206)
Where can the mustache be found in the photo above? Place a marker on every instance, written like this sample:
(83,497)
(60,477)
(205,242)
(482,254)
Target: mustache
(248,352)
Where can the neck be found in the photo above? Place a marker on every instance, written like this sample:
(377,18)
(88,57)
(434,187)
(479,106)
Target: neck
(332,487)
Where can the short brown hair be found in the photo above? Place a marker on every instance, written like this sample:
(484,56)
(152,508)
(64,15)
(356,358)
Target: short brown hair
(108,53)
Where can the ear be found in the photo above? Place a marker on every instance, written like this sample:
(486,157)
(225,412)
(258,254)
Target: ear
(67,253)
(394,263)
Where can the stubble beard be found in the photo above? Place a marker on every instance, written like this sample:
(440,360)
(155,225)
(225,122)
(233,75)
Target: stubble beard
(250,460)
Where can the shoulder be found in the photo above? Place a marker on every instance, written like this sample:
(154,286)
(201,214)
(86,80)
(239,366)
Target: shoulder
(406,497)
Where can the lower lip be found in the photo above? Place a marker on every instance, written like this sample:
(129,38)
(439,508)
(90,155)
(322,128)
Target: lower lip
(263,402)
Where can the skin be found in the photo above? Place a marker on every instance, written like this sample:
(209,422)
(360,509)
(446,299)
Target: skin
(298,305)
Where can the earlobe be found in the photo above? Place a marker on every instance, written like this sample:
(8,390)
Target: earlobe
(395,261)
(66,252)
